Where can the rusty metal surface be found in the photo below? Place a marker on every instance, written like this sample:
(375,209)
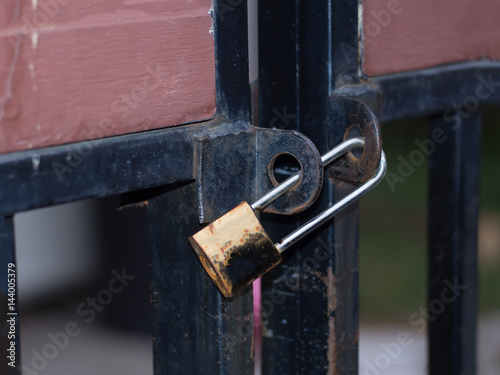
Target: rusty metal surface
(235,250)
(309,302)
(238,157)
(273,142)
(354,118)
(194,327)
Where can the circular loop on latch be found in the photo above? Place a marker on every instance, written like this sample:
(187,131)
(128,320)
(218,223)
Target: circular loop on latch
(305,192)
(287,162)
(348,113)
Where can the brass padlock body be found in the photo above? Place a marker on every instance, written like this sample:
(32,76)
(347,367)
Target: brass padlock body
(235,250)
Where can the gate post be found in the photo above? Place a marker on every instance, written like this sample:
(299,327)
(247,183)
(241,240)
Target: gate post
(452,262)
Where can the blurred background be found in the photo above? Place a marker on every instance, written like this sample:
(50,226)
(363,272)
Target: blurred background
(393,254)
(67,256)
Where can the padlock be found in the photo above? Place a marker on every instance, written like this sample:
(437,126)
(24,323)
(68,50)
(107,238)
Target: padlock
(235,250)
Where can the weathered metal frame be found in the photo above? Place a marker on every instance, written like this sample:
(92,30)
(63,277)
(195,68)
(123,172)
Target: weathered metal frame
(320,333)
(319,56)
(159,165)
(309,302)
(451,96)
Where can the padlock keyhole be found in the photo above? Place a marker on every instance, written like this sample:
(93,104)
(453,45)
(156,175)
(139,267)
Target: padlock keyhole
(283,166)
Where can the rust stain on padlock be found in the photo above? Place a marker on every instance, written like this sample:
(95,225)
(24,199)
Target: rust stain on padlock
(246,253)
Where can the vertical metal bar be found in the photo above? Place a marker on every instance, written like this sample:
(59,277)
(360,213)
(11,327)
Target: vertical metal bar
(453,221)
(277,96)
(231,56)
(346,283)
(309,303)
(9,328)
(280,302)
(195,330)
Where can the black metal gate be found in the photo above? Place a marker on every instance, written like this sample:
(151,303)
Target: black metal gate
(309,303)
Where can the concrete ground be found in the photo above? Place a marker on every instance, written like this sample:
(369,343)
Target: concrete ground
(95,350)
(394,350)
(384,349)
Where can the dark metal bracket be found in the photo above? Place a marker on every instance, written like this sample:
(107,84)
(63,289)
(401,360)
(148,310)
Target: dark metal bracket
(240,157)
(350,117)
(231,162)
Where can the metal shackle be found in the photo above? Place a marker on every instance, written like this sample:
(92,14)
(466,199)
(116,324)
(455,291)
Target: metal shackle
(326,215)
